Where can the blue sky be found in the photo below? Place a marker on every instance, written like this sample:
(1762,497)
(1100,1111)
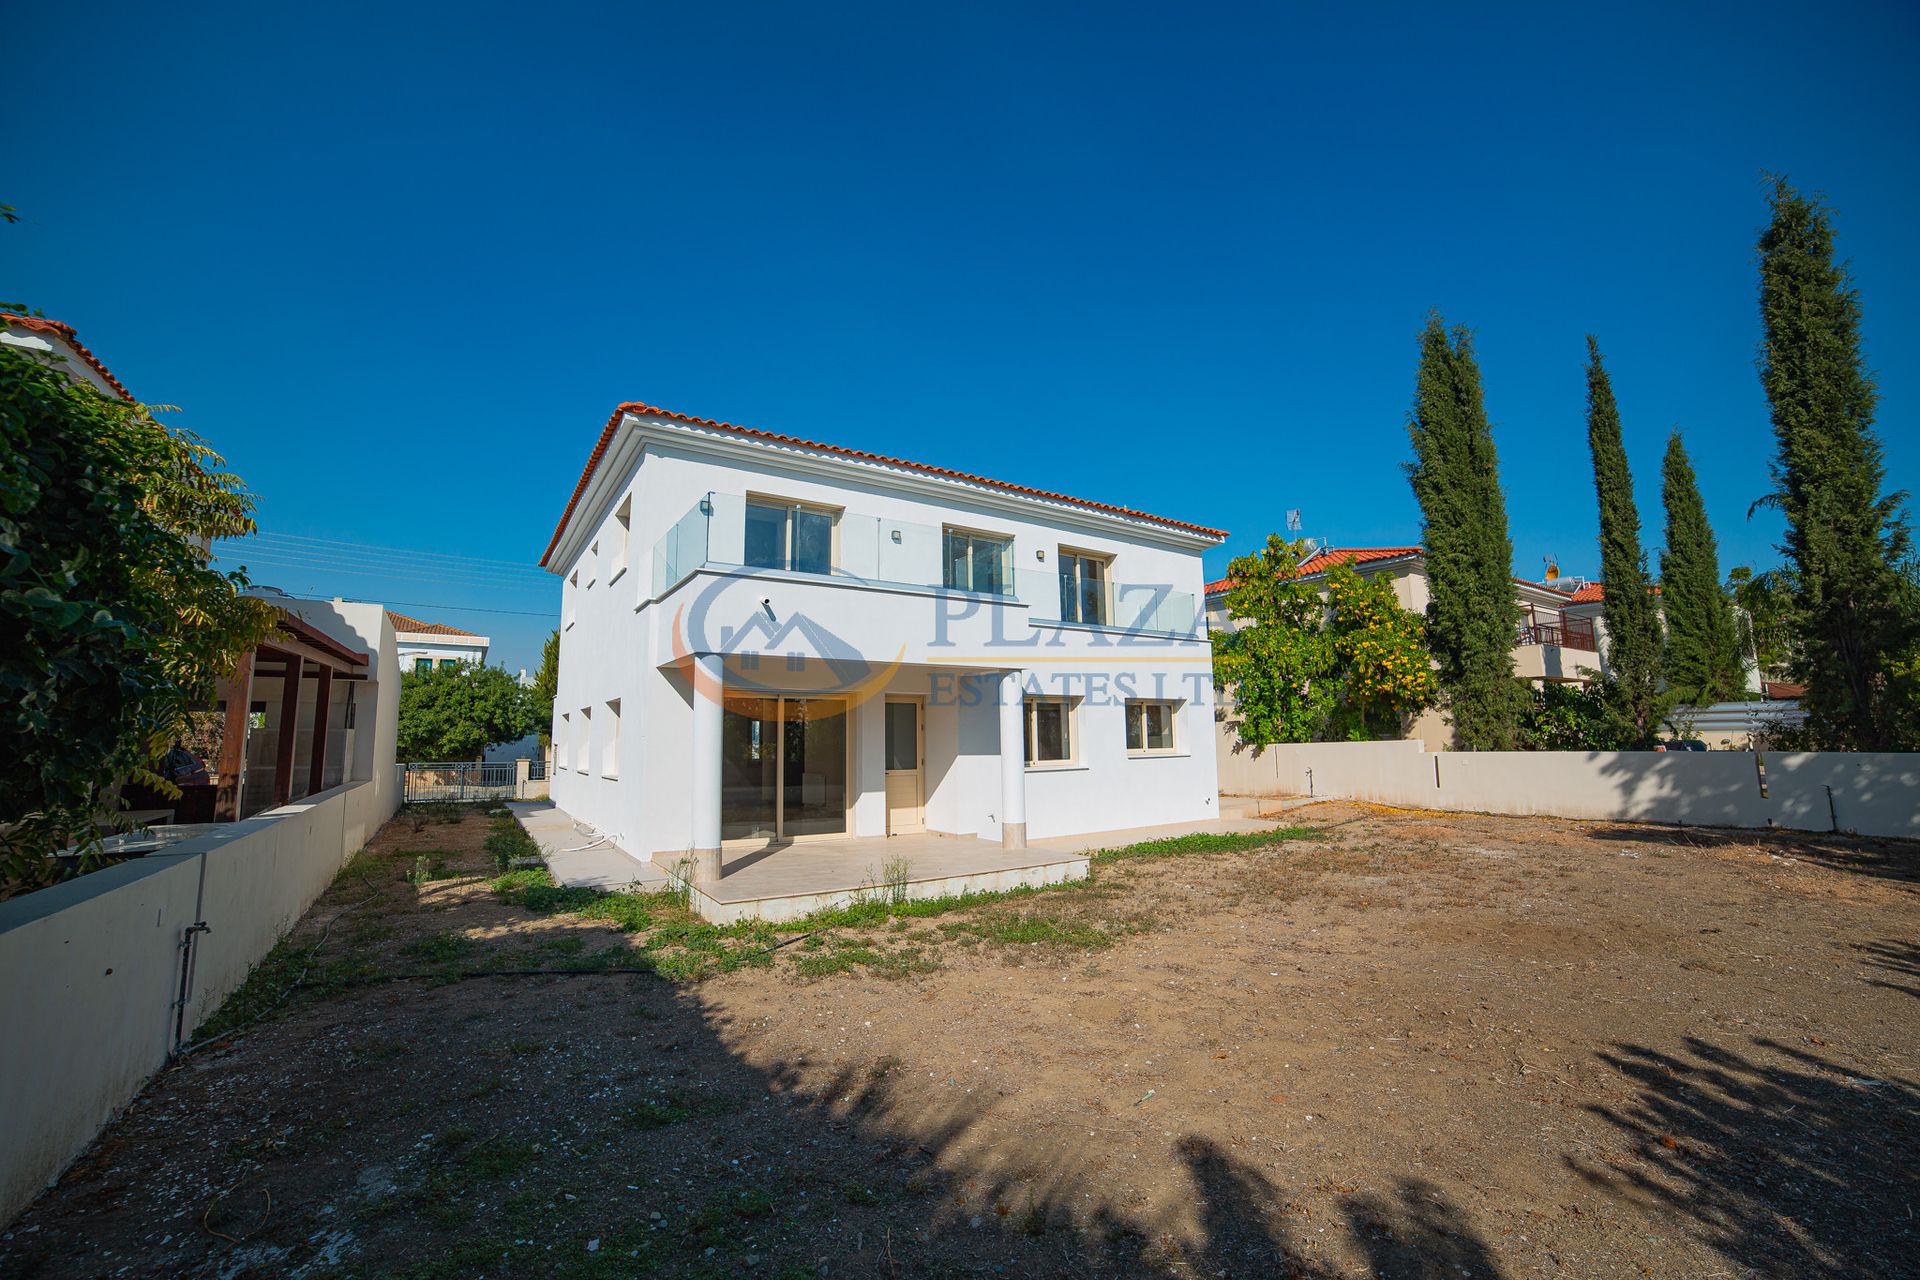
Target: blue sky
(399,264)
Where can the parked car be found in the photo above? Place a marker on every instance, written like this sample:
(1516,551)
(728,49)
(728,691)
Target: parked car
(1680,744)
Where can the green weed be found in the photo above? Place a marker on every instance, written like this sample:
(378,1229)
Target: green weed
(440,948)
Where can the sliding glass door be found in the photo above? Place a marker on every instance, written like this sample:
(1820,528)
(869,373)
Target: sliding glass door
(783,768)
(749,768)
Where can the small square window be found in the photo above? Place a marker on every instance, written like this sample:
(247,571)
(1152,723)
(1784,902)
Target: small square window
(1150,727)
(421,665)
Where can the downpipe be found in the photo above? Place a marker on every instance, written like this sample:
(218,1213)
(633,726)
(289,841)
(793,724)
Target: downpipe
(186,980)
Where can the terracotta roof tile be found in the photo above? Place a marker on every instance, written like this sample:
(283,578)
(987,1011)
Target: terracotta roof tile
(66,334)
(1321,561)
(1589,592)
(401,622)
(634,407)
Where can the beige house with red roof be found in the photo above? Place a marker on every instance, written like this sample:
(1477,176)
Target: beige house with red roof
(426,645)
(1559,639)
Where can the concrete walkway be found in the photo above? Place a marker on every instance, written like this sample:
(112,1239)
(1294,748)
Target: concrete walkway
(604,865)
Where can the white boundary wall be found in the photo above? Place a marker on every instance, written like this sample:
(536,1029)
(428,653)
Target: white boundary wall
(1873,793)
(92,966)
(90,969)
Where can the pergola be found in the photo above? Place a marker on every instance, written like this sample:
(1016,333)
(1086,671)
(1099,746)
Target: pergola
(297,652)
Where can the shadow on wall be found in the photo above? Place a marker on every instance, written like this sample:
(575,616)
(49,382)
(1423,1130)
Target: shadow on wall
(1786,1163)
(1695,788)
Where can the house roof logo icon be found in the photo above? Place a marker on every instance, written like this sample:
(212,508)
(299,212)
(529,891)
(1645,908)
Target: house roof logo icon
(766,653)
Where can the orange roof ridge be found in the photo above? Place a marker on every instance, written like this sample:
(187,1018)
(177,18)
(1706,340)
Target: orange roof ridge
(635,407)
(66,334)
(401,622)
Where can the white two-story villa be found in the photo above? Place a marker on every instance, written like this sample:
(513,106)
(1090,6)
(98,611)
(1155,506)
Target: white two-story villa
(768,642)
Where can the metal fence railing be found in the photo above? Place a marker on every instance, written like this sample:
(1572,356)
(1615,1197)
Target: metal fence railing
(457,780)
(1572,634)
(537,771)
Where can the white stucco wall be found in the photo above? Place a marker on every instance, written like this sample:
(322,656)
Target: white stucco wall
(618,642)
(1874,794)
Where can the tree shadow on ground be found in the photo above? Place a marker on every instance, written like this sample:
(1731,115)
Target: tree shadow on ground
(611,1125)
(1880,857)
(1244,1222)
(1896,955)
(1786,1163)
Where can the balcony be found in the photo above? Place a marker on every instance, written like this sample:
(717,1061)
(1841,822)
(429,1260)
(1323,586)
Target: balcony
(1568,633)
(723,532)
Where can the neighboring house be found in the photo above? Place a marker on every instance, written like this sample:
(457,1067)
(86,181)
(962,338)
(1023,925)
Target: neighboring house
(426,645)
(1554,643)
(312,708)
(57,344)
(766,639)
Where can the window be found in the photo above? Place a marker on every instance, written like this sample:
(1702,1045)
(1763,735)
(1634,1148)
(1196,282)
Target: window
(978,562)
(1149,727)
(1083,588)
(572,593)
(422,665)
(1049,731)
(610,758)
(593,561)
(562,738)
(449,662)
(582,759)
(622,535)
(788,535)
(903,736)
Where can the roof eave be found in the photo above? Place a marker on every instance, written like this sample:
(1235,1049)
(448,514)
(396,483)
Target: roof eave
(1199,536)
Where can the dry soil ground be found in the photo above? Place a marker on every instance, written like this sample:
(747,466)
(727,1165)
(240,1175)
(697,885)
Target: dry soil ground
(1407,1045)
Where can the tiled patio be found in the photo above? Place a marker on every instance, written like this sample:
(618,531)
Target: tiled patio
(787,881)
(779,882)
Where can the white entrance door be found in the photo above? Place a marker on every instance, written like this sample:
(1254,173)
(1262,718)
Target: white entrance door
(906,767)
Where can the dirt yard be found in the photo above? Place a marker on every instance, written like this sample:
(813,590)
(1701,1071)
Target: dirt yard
(1395,1045)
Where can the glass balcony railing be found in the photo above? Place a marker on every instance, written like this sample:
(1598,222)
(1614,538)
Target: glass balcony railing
(721,532)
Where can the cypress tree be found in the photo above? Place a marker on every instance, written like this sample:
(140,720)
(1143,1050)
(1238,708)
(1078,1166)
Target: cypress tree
(1703,646)
(1854,610)
(1472,613)
(1633,627)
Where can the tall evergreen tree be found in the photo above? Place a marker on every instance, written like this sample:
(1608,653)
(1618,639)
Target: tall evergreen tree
(1703,646)
(1472,613)
(1854,608)
(1633,626)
